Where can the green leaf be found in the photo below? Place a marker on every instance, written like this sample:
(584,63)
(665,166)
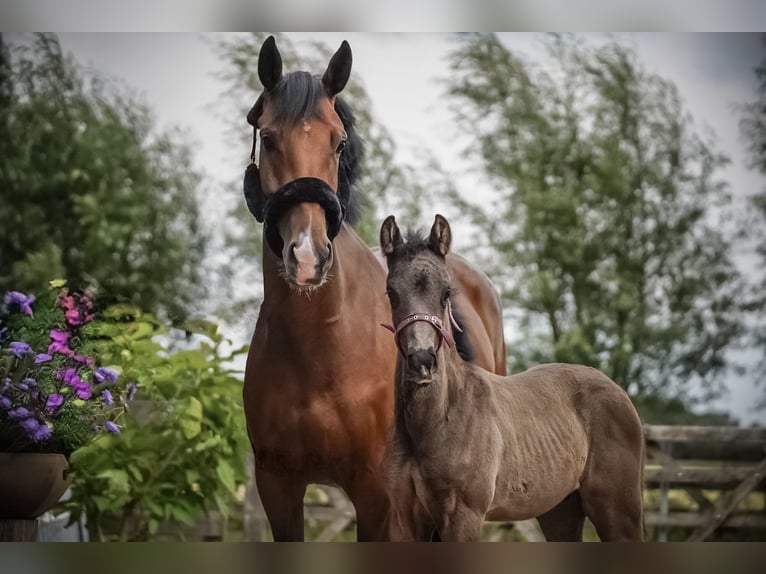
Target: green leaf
(191,421)
(226,475)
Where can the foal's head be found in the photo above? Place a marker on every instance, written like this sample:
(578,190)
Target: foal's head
(419,290)
(307,163)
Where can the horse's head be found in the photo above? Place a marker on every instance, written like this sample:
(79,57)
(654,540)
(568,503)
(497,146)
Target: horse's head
(419,289)
(308,160)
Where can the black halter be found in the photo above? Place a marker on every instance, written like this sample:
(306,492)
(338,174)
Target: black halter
(303,190)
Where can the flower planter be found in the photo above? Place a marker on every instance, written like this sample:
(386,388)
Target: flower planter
(30,484)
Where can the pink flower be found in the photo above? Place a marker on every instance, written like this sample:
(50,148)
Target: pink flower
(60,343)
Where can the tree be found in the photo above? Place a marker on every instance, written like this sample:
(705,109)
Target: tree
(90,190)
(753,129)
(386,185)
(603,215)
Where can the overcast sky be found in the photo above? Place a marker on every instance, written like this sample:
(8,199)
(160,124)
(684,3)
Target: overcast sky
(175,74)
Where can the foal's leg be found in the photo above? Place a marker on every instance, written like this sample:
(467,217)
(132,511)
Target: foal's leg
(611,495)
(462,524)
(282,498)
(564,522)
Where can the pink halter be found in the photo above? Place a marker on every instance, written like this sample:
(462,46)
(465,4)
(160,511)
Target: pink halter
(444,332)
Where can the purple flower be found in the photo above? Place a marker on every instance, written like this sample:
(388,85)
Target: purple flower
(132,388)
(54,402)
(42,433)
(111,427)
(83,390)
(30,425)
(102,374)
(20,348)
(30,381)
(23,301)
(69,376)
(60,343)
(106,396)
(42,358)
(19,413)
(5,402)
(23,387)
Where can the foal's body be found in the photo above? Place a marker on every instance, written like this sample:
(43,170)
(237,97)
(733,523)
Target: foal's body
(557,442)
(483,446)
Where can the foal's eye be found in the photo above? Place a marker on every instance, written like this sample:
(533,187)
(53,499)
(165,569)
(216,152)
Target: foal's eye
(341,146)
(267,142)
(446,295)
(392,297)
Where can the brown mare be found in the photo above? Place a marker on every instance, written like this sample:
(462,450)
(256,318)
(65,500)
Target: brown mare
(557,442)
(318,396)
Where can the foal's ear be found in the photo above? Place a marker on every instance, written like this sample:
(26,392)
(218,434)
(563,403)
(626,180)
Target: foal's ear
(338,70)
(269,64)
(390,238)
(441,236)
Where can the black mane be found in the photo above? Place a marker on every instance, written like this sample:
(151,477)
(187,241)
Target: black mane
(296,99)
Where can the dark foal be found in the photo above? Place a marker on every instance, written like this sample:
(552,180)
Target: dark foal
(558,442)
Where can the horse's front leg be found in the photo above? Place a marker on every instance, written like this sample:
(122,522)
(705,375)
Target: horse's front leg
(282,498)
(370,499)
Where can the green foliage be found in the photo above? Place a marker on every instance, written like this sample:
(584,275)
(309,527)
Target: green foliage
(603,215)
(181,451)
(91,191)
(753,129)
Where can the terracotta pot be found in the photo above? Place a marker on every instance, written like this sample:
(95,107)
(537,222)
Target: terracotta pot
(31,483)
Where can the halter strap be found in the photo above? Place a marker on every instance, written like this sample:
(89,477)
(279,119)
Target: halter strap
(444,331)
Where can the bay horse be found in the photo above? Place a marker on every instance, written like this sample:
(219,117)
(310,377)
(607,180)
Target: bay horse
(558,442)
(317,394)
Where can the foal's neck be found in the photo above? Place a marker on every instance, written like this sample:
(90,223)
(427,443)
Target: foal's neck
(421,412)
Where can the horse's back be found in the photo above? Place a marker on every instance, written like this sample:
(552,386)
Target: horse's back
(479,306)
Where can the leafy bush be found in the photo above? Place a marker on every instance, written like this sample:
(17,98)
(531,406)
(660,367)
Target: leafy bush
(181,451)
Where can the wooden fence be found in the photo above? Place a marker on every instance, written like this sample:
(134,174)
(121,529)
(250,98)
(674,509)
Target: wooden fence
(701,483)
(705,483)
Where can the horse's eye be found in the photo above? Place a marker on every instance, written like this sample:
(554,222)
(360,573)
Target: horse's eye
(341,146)
(392,297)
(267,142)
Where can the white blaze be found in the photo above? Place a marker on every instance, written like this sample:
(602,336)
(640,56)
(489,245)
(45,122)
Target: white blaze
(306,258)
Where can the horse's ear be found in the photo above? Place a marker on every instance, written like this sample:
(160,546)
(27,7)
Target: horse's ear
(441,236)
(338,70)
(390,238)
(269,64)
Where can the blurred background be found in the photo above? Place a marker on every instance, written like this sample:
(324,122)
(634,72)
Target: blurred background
(611,185)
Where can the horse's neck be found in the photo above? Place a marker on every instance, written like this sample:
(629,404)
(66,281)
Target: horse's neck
(421,413)
(352,263)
